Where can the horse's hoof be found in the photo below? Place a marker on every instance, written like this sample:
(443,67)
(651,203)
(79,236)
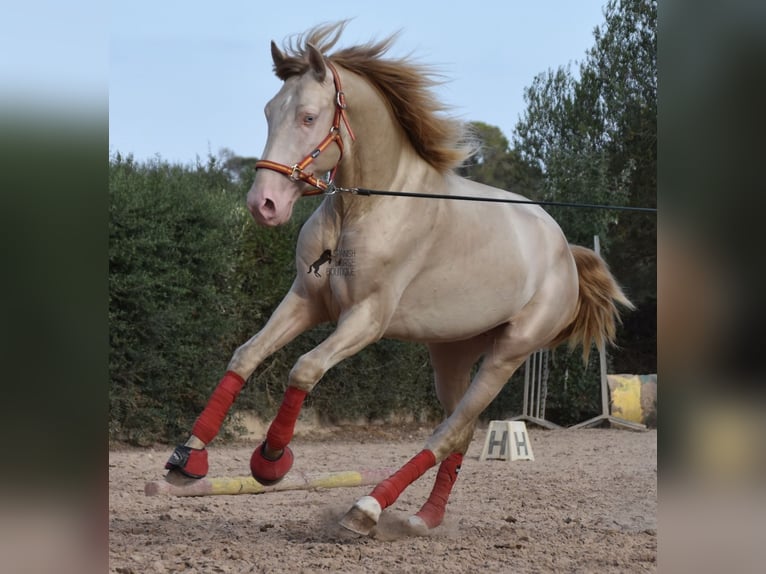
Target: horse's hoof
(417,525)
(267,471)
(363,516)
(177,478)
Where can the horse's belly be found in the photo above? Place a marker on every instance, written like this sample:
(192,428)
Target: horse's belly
(429,326)
(454,308)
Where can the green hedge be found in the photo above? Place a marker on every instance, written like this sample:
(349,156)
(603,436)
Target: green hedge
(191,277)
(173,237)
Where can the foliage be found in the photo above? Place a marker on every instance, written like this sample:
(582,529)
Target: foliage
(574,388)
(594,140)
(238,168)
(173,234)
(591,139)
(498,165)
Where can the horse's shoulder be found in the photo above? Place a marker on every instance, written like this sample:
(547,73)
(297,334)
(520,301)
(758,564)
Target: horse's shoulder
(318,234)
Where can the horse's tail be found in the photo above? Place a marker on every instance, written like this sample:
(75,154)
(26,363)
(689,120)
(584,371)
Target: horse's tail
(596,315)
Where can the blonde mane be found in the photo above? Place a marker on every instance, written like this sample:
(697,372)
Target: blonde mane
(442,141)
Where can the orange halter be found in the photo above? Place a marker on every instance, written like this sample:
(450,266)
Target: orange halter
(295,172)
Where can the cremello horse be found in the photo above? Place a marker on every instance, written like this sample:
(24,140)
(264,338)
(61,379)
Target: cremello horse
(471,280)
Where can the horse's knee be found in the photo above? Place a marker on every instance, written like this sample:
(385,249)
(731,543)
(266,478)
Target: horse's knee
(241,362)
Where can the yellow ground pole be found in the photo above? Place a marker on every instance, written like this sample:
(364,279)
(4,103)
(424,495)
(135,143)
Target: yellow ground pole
(294,480)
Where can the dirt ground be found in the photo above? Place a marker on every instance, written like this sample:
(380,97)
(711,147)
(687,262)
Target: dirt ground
(587,503)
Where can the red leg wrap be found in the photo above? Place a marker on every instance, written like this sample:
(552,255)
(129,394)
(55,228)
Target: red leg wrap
(190,461)
(283,426)
(432,512)
(268,471)
(209,422)
(390,489)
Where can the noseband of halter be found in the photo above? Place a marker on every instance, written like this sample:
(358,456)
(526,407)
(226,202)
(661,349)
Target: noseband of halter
(296,171)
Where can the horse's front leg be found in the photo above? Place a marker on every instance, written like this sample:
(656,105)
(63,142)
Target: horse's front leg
(294,315)
(356,329)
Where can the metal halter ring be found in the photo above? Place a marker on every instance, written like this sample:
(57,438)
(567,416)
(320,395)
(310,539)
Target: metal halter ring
(340,100)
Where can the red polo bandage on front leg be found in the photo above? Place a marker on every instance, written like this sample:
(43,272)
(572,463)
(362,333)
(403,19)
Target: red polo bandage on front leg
(209,422)
(283,426)
(432,512)
(389,490)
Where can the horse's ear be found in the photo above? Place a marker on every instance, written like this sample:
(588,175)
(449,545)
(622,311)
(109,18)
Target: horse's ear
(277,56)
(316,61)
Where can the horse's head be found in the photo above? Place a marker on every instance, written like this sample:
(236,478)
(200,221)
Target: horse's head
(392,103)
(302,118)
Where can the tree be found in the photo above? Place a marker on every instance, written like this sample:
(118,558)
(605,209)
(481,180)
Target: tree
(594,138)
(239,168)
(498,165)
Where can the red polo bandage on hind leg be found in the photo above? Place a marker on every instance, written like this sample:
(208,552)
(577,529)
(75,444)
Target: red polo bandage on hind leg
(389,490)
(210,420)
(283,426)
(432,512)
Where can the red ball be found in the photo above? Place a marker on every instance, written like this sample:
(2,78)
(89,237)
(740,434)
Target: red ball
(268,471)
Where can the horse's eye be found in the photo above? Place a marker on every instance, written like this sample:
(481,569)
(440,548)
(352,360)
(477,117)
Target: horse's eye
(308,119)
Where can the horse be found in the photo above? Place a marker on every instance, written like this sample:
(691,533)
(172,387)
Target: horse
(473,281)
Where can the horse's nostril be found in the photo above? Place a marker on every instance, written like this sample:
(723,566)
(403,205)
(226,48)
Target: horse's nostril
(262,207)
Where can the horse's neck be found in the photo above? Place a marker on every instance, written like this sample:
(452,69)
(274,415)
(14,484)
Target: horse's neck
(381,151)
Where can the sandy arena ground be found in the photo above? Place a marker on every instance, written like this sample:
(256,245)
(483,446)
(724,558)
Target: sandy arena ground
(587,503)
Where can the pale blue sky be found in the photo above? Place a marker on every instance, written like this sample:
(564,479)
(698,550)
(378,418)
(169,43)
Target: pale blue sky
(188,77)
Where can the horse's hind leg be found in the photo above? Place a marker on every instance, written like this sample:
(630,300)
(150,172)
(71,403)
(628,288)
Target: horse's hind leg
(452,363)
(510,344)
